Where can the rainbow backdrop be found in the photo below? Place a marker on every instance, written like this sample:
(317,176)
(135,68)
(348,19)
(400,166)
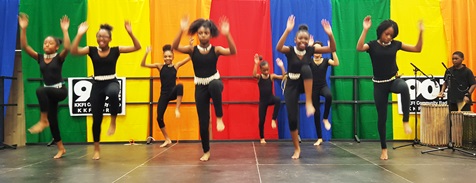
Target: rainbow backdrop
(256,26)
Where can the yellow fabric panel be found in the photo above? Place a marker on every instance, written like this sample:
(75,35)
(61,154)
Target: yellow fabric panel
(460,30)
(407,13)
(114,12)
(165,23)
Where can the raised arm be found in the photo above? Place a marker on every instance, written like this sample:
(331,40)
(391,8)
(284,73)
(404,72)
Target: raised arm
(128,49)
(280,64)
(64,22)
(176,44)
(289,27)
(419,45)
(75,49)
(332,42)
(361,46)
(335,60)
(225,30)
(255,67)
(181,63)
(143,64)
(23,22)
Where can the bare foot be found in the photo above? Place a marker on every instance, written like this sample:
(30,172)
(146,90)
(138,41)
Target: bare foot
(273,124)
(39,127)
(112,129)
(327,125)
(205,157)
(166,142)
(220,125)
(310,110)
(96,155)
(384,155)
(177,113)
(60,153)
(263,141)
(318,142)
(407,128)
(296,154)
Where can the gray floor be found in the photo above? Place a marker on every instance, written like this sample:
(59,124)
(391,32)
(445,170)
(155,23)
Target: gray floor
(236,162)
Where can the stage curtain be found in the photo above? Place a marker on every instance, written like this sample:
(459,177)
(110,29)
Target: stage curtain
(9,25)
(114,12)
(347,17)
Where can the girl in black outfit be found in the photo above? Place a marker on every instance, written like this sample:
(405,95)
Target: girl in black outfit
(169,89)
(462,84)
(53,90)
(104,60)
(299,73)
(266,97)
(383,52)
(207,79)
(320,88)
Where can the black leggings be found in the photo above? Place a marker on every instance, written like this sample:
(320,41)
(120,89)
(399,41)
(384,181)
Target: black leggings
(100,90)
(48,98)
(203,93)
(316,102)
(291,96)
(381,91)
(164,99)
(263,107)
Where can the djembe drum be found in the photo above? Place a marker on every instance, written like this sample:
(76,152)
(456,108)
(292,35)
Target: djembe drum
(469,131)
(434,127)
(457,118)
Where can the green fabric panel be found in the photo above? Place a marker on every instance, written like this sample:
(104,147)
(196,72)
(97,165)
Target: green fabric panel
(347,17)
(44,20)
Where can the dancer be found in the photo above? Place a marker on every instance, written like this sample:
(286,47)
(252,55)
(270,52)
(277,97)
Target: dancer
(299,73)
(383,52)
(169,89)
(462,84)
(266,97)
(207,79)
(320,88)
(53,90)
(105,84)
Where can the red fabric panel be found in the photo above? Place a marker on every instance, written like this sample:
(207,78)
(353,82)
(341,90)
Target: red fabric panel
(251,30)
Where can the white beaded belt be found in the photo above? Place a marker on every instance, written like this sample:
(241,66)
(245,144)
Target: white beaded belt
(384,81)
(57,85)
(207,80)
(104,77)
(294,76)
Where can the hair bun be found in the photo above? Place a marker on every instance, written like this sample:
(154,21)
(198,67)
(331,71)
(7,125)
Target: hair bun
(167,47)
(303,27)
(106,26)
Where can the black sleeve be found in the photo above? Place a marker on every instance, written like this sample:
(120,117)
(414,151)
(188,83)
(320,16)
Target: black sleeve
(470,77)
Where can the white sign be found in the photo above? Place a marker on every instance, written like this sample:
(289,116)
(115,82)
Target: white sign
(79,91)
(426,91)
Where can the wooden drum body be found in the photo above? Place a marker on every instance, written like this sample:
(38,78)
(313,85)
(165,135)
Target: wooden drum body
(457,118)
(434,127)
(469,131)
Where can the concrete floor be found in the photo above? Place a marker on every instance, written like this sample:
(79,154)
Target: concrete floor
(236,162)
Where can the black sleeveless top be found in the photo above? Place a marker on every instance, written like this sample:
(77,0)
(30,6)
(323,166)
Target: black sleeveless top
(294,63)
(204,65)
(319,73)
(104,65)
(168,76)
(52,71)
(265,87)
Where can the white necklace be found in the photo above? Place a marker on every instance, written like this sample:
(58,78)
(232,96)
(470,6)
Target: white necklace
(204,49)
(300,53)
(100,49)
(48,56)
(384,44)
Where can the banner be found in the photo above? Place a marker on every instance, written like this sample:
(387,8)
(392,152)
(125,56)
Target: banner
(427,90)
(79,90)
